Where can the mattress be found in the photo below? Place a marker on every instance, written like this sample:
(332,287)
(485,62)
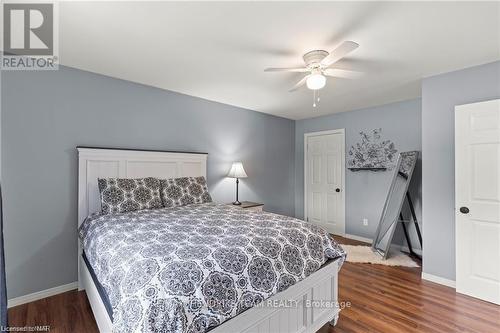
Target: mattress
(100,289)
(191,268)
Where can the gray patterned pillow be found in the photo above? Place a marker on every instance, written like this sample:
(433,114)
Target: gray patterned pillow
(184,191)
(120,195)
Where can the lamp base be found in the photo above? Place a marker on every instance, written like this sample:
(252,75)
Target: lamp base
(237,203)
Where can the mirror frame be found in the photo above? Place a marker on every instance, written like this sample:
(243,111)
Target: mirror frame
(397,172)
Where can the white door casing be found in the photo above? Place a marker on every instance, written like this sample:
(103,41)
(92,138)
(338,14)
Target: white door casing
(477,189)
(324,174)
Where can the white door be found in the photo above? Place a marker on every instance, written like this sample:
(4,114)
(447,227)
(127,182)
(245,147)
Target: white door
(477,195)
(324,180)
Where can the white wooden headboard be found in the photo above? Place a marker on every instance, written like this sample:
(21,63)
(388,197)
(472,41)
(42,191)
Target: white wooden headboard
(94,163)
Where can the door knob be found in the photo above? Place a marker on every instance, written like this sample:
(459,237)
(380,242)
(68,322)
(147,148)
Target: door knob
(464,210)
(337,190)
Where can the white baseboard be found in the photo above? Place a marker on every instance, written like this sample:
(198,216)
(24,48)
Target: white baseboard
(41,294)
(359,238)
(438,279)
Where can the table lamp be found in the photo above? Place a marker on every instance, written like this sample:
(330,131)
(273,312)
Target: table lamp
(237,172)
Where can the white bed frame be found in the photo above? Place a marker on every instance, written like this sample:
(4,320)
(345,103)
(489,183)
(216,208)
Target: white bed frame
(303,307)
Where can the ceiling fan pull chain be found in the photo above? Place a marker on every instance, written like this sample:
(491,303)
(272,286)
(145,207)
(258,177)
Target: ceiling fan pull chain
(314,98)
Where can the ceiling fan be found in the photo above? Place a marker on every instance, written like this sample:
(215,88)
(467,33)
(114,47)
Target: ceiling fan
(318,63)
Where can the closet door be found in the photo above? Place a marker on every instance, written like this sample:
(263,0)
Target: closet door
(477,195)
(324,180)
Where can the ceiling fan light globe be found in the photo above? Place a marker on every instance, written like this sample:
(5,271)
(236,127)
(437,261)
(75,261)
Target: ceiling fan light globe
(316,81)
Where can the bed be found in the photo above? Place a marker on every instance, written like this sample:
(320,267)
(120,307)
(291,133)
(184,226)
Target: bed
(202,267)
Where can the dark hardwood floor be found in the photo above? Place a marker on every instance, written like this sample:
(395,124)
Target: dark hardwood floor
(383,299)
(64,313)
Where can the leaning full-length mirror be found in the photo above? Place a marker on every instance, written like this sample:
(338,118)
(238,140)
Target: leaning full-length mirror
(394,202)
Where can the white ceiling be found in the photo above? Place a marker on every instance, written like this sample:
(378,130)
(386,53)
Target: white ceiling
(218,51)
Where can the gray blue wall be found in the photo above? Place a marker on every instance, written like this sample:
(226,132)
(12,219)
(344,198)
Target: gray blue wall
(45,115)
(365,190)
(440,95)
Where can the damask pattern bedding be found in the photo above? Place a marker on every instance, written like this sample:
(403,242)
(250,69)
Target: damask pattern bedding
(190,268)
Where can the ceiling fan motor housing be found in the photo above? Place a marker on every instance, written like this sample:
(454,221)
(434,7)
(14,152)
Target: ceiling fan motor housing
(312,59)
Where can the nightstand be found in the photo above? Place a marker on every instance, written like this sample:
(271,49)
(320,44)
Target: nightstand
(249,205)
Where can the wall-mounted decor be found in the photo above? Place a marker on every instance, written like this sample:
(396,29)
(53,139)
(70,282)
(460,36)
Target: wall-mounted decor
(372,153)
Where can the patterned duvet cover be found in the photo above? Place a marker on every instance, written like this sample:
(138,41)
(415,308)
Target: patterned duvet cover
(190,268)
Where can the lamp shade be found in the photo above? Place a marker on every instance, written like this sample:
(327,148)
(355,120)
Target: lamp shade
(237,171)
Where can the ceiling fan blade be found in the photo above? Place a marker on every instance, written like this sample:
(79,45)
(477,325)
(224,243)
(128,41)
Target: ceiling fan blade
(343,73)
(298,69)
(299,84)
(340,52)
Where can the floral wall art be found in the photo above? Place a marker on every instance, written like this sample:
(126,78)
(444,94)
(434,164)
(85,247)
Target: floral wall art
(372,152)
